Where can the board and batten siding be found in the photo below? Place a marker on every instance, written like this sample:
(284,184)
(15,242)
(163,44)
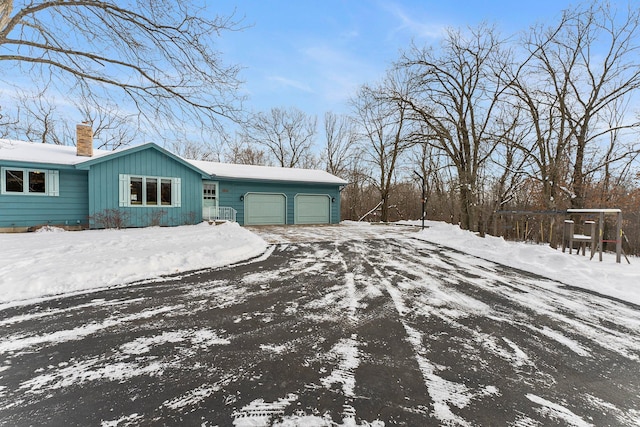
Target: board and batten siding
(232,191)
(69,208)
(104,182)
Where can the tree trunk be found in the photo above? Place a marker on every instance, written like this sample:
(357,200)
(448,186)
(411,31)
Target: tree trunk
(577,201)
(467,207)
(384,208)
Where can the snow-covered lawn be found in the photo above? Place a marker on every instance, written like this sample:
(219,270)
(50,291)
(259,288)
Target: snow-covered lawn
(53,262)
(620,281)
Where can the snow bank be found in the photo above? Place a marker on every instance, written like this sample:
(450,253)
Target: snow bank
(49,263)
(620,281)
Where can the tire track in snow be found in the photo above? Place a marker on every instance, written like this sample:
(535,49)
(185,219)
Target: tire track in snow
(550,321)
(356,330)
(378,313)
(443,392)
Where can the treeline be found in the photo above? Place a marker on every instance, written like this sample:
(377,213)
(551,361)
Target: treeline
(525,221)
(540,123)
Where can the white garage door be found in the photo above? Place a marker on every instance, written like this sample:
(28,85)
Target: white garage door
(265,209)
(312,209)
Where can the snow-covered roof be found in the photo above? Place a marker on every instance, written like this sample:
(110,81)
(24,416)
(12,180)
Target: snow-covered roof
(21,151)
(270,173)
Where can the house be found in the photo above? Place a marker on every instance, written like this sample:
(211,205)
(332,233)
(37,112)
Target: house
(144,185)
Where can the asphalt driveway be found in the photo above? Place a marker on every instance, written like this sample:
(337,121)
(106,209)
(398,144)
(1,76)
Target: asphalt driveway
(327,328)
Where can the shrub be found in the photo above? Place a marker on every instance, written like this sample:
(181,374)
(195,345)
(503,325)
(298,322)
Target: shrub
(111,218)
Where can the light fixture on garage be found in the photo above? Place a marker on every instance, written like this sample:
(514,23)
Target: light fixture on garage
(333,200)
(242,198)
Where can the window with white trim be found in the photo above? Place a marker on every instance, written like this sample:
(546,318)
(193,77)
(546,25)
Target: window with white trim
(33,182)
(150,191)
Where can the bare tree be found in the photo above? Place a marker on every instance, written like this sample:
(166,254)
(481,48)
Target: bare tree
(158,55)
(112,127)
(190,149)
(427,161)
(587,64)
(354,196)
(548,142)
(381,115)
(39,119)
(242,152)
(4,124)
(616,163)
(341,139)
(286,134)
(504,172)
(455,95)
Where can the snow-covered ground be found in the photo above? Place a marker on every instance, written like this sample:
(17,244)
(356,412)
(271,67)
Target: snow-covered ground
(54,262)
(315,305)
(620,281)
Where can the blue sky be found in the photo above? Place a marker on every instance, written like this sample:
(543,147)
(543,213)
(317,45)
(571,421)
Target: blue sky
(313,55)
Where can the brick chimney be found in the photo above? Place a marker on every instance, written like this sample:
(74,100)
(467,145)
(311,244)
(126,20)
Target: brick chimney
(84,139)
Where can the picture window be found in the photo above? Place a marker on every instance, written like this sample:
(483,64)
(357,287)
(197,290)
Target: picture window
(149,191)
(29,182)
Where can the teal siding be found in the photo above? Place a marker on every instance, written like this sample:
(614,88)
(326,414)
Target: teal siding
(70,207)
(231,191)
(92,189)
(104,189)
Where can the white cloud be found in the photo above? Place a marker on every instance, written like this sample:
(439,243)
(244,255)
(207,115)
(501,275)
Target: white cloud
(340,71)
(350,34)
(291,83)
(409,23)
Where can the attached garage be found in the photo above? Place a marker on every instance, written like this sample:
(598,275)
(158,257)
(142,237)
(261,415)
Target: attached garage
(265,195)
(265,209)
(312,209)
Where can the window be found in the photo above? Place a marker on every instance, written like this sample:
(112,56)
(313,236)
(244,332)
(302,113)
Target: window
(152,191)
(36,182)
(165,192)
(14,181)
(29,182)
(149,191)
(136,191)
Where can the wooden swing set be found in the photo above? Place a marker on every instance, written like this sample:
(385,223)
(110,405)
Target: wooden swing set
(593,233)
(592,230)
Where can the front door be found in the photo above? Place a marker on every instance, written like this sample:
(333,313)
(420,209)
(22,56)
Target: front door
(209,200)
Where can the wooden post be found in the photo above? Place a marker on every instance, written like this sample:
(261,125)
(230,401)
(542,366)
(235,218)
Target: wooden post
(567,235)
(601,233)
(495,225)
(590,230)
(618,236)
